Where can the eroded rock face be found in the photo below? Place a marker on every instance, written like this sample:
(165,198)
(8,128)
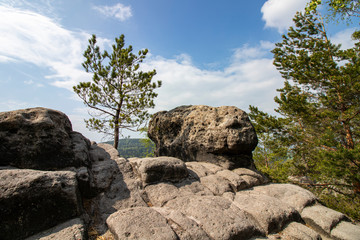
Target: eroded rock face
(40,138)
(32,201)
(220,135)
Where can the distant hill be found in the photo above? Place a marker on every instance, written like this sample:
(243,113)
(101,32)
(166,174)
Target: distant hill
(135,147)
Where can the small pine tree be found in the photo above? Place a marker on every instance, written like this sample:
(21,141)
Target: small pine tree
(119,92)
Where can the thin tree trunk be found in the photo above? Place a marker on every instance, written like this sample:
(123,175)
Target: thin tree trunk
(116,136)
(116,128)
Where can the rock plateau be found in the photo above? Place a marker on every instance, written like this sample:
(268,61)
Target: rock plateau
(56,184)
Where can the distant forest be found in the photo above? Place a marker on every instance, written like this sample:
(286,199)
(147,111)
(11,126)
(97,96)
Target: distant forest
(135,147)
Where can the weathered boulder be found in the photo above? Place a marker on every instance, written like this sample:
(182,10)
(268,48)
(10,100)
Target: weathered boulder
(219,135)
(40,138)
(140,223)
(32,201)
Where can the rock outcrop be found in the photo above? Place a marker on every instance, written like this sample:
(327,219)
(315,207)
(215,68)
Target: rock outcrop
(40,138)
(220,135)
(151,198)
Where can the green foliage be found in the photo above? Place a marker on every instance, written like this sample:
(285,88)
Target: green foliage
(343,9)
(135,147)
(119,93)
(317,132)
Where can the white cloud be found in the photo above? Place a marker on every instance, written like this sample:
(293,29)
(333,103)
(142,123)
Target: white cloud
(279,13)
(249,79)
(118,11)
(344,38)
(44,7)
(34,38)
(244,82)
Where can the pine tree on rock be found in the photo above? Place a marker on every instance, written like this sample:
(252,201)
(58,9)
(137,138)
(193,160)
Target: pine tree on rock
(119,93)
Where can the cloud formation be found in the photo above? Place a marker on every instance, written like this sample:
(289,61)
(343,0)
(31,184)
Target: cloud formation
(118,11)
(249,79)
(279,13)
(34,38)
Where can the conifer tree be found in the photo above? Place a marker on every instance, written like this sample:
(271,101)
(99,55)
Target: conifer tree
(119,93)
(318,133)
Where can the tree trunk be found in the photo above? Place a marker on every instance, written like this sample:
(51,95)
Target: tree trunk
(116,128)
(116,136)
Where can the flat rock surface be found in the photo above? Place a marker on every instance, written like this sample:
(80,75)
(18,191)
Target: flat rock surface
(70,230)
(271,213)
(293,195)
(299,231)
(347,231)
(322,218)
(184,227)
(219,218)
(139,223)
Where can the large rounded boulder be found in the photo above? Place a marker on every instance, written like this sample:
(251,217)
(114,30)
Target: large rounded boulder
(40,138)
(220,135)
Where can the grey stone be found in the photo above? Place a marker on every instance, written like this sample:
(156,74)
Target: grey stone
(237,182)
(261,179)
(219,135)
(217,216)
(202,169)
(321,218)
(104,173)
(298,231)
(161,193)
(184,227)
(251,181)
(40,138)
(160,169)
(293,195)
(124,191)
(32,201)
(217,184)
(193,187)
(70,230)
(346,231)
(80,146)
(271,213)
(139,223)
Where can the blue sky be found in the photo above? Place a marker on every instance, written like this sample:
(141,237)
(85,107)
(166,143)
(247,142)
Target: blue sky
(205,52)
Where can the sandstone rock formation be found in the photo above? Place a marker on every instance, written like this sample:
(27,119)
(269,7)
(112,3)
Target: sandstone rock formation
(153,198)
(40,138)
(223,136)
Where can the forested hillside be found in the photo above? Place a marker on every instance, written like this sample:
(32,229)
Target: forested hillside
(135,147)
